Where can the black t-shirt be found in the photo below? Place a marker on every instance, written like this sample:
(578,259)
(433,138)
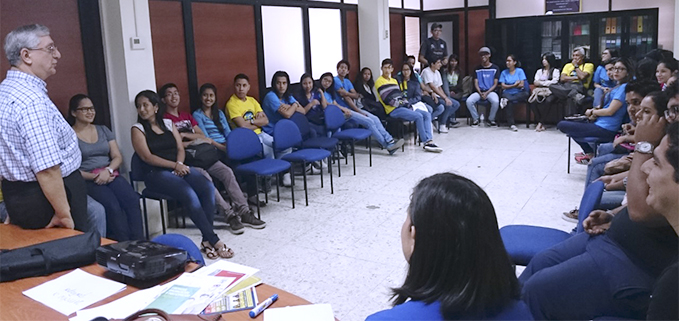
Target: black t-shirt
(432,49)
(650,248)
(663,305)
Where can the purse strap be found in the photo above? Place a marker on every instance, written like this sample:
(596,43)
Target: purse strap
(134,316)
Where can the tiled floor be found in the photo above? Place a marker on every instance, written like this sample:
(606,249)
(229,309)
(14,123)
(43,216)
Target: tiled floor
(344,249)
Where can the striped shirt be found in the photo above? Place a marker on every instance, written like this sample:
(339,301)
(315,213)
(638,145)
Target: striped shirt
(34,136)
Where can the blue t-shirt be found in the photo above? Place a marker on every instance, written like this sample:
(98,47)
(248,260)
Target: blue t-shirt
(613,123)
(487,76)
(418,310)
(509,79)
(347,85)
(210,129)
(329,97)
(270,106)
(601,77)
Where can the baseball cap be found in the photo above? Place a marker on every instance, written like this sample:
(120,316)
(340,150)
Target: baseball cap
(484,49)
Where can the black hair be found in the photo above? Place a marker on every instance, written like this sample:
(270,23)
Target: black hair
(458,258)
(659,54)
(331,89)
(672,153)
(305,76)
(214,109)
(163,89)
(642,87)
(630,65)
(672,90)
(609,61)
(670,64)
(613,52)
(387,61)
(403,75)
(73,107)
(457,67)
(646,69)
(343,62)
(155,100)
(359,78)
(660,101)
(551,60)
(518,63)
(411,57)
(241,76)
(277,75)
(436,25)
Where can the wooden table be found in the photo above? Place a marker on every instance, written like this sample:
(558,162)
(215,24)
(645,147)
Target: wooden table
(15,306)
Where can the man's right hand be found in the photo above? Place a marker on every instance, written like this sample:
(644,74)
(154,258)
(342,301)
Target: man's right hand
(65,221)
(597,222)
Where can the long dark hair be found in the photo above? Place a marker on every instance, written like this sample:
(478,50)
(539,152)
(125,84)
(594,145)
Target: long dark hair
(313,83)
(551,60)
(457,67)
(73,107)
(155,100)
(458,258)
(331,89)
(214,109)
(276,75)
(630,65)
(359,79)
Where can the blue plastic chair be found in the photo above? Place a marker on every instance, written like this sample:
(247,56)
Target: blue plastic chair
(523,242)
(181,242)
(334,119)
(327,143)
(243,146)
(286,135)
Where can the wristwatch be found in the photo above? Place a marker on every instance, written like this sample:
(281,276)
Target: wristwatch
(110,170)
(643,148)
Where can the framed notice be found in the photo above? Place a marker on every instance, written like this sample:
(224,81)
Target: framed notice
(562,6)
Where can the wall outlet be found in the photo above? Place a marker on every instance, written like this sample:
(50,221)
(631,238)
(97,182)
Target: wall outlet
(136,43)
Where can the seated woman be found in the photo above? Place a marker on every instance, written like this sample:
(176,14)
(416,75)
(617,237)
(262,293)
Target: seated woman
(309,96)
(452,78)
(100,161)
(210,118)
(602,82)
(607,120)
(159,145)
(544,77)
(365,87)
(512,81)
(410,87)
(458,268)
(666,72)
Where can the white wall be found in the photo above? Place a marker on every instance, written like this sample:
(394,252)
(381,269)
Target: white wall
(374,34)
(453,4)
(666,12)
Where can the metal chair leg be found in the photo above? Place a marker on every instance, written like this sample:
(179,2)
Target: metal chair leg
(353,155)
(332,189)
(292,189)
(162,216)
(146,219)
(306,195)
(569,155)
(257,191)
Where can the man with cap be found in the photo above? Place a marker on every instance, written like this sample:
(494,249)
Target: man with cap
(486,76)
(434,47)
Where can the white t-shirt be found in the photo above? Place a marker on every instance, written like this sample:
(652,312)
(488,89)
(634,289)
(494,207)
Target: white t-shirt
(432,77)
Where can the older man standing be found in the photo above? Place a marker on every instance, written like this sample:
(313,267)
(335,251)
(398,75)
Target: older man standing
(41,183)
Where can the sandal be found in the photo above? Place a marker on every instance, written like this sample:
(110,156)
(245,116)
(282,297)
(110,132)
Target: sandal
(209,251)
(224,252)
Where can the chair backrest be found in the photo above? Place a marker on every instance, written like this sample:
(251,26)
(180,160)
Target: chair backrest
(286,134)
(334,118)
(590,200)
(242,144)
(302,124)
(136,169)
(181,242)
(526,86)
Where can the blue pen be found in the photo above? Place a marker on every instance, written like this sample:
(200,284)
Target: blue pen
(260,307)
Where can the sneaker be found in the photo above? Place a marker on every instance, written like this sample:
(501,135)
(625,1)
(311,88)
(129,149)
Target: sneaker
(571,216)
(287,182)
(393,147)
(248,219)
(503,102)
(431,147)
(453,124)
(252,200)
(443,129)
(513,128)
(475,124)
(492,123)
(584,159)
(235,225)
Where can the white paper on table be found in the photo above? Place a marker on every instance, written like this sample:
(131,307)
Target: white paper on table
(208,288)
(121,308)
(311,312)
(73,291)
(225,268)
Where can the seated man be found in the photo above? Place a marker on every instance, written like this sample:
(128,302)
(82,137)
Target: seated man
(396,106)
(432,78)
(576,77)
(246,112)
(611,269)
(486,77)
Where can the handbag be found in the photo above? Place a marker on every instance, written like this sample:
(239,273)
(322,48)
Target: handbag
(49,257)
(202,154)
(160,315)
(539,95)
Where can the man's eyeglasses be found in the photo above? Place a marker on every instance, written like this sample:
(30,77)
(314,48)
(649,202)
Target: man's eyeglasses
(671,112)
(51,49)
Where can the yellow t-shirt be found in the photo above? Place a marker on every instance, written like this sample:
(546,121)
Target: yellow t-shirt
(247,109)
(587,67)
(381,81)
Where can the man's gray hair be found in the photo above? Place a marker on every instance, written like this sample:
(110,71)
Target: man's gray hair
(581,50)
(27,36)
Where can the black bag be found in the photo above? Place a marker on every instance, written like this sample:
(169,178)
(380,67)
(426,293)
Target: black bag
(202,155)
(49,257)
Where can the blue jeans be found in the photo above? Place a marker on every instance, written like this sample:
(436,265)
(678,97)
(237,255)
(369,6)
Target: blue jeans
(194,192)
(96,216)
(581,130)
(121,202)
(598,97)
(421,118)
(582,278)
(267,144)
(611,200)
(436,110)
(494,105)
(373,123)
(449,111)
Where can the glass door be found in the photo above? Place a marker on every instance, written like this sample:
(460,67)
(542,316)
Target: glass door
(579,35)
(641,35)
(610,33)
(551,38)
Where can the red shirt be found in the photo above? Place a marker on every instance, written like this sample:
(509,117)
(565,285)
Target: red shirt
(184,122)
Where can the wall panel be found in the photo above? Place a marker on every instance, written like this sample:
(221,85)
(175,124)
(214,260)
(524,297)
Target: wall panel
(225,43)
(397,39)
(169,51)
(352,43)
(61,17)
